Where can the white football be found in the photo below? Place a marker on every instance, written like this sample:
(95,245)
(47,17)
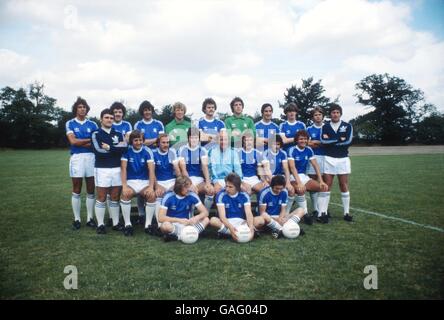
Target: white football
(243,233)
(291,229)
(189,235)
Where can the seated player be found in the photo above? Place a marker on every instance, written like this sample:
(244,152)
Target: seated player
(233,207)
(136,163)
(251,163)
(108,145)
(272,208)
(298,158)
(276,163)
(166,169)
(193,163)
(177,208)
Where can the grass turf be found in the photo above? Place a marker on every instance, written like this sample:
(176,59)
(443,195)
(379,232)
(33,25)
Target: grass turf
(37,242)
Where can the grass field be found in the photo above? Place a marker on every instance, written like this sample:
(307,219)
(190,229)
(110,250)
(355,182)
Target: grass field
(37,242)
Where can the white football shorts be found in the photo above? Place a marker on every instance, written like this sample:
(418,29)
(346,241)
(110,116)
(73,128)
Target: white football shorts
(81,165)
(138,185)
(108,177)
(167,184)
(336,166)
(304,178)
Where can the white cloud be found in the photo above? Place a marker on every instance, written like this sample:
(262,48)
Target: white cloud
(165,51)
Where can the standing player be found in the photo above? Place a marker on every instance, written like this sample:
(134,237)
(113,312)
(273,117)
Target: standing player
(178,127)
(193,162)
(166,169)
(336,136)
(265,128)
(81,163)
(209,126)
(108,145)
(238,123)
(276,163)
(222,161)
(177,208)
(251,164)
(299,157)
(272,208)
(291,126)
(136,163)
(120,125)
(234,209)
(314,142)
(150,127)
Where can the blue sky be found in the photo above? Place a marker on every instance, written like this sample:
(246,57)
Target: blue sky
(167,51)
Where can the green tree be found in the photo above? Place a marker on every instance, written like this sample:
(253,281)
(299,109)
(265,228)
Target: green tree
(29,117)
(309,95)
(431,129)
(397,107)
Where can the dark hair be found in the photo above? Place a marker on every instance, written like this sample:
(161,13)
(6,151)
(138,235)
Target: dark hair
(279,139)
(135,134)
(236,99)
(208,101)
(118,105)
(79,101)
(106,111)
(180,183)
(334,106)
(317,109)
(278,180)
(234,179)
(145,105)
(300,133)
(291,107)
(193,131)
(264,106)
(246,135)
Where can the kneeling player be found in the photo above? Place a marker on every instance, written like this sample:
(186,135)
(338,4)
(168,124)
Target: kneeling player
(135,165)
(298,158)
(233,207)
(177,208)
(272,208)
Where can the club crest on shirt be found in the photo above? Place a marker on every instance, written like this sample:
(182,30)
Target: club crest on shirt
(88,130)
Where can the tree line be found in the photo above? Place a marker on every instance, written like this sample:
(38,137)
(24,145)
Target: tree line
(398,113)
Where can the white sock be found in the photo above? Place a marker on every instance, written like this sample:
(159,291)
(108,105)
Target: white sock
(156,212)
(200,227)
(314,200)
(345,196)
(114,212)
(274,225)
(90,202)
(100,212)
(126,211)
(224,230)
(208,202)
(302,202)
(289,204)
(175,231)
(295,219)
(76,204)
(323,202)
(149,209)
(141,205)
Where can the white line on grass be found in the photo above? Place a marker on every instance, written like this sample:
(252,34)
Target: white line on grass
(393,218)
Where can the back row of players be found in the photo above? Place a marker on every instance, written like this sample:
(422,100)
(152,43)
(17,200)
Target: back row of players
(169,168)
